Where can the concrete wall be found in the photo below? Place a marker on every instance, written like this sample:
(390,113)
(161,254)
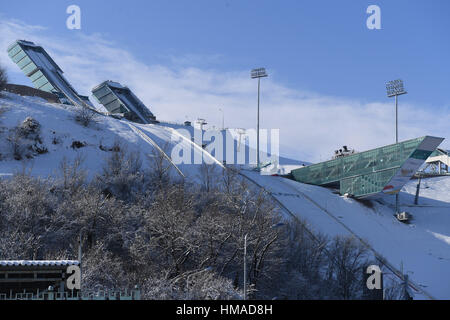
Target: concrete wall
(32,92)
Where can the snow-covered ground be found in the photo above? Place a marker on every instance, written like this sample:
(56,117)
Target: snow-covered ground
(422,247)
(59,130)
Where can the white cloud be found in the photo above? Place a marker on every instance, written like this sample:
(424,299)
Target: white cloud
(311,125)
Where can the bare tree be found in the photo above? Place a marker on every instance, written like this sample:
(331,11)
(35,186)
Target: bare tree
(122,174)
(347,258)
(160,168)
(208,176)
(73,175)
(102,270)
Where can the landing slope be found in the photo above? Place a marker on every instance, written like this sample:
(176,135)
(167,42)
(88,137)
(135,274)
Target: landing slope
(422,247)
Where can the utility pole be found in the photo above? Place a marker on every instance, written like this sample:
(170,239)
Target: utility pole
(245,267)
(80,255)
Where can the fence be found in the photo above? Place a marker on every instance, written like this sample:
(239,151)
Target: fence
(134,294)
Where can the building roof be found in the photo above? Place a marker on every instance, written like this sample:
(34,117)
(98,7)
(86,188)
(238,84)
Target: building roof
(382,170)
(38,262)
(110,83)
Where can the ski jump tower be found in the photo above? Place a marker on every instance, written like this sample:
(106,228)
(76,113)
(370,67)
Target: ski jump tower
(120,100)
(45,74)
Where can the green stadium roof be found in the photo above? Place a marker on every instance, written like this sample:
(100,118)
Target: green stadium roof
(382,170)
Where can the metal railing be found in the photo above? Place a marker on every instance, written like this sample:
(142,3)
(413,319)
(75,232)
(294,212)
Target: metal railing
(134,294)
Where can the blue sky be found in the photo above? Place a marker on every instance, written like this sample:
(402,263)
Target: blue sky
(321,50)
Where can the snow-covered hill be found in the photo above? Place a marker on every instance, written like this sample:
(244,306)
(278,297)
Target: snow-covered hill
(421,248)
(61,135)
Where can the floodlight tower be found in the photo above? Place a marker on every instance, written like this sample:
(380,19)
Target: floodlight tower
(258,74)
(201,123)
(395,88)
(223,118)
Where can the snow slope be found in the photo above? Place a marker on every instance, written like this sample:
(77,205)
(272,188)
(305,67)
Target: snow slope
(58,124)
(422,247)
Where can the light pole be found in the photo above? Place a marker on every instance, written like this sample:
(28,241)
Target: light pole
(245,267)
(201,123)
(395,88)
(223,118)
(80,254)
(258,74)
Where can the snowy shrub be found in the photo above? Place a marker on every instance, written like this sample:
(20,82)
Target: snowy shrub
(85,116)
(20,146)
(56,140)
(394,290)
(160,168)
(158,288)
(30,128)
(17,244)
(73,176)
(210,286)
(25,139)
(3,79)
(3,109)
(194,285)
(26,211)
(103,271)
(77,144)
(122,176)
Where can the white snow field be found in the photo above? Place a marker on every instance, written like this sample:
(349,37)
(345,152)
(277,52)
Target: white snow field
(421,247)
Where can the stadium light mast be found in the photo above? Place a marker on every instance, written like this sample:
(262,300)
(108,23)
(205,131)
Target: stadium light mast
(201,123)
(258,74)
(223,118)
(395,88)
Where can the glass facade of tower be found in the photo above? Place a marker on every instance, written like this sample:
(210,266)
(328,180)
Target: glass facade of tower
(118,99)
(45,74)
(384,169)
